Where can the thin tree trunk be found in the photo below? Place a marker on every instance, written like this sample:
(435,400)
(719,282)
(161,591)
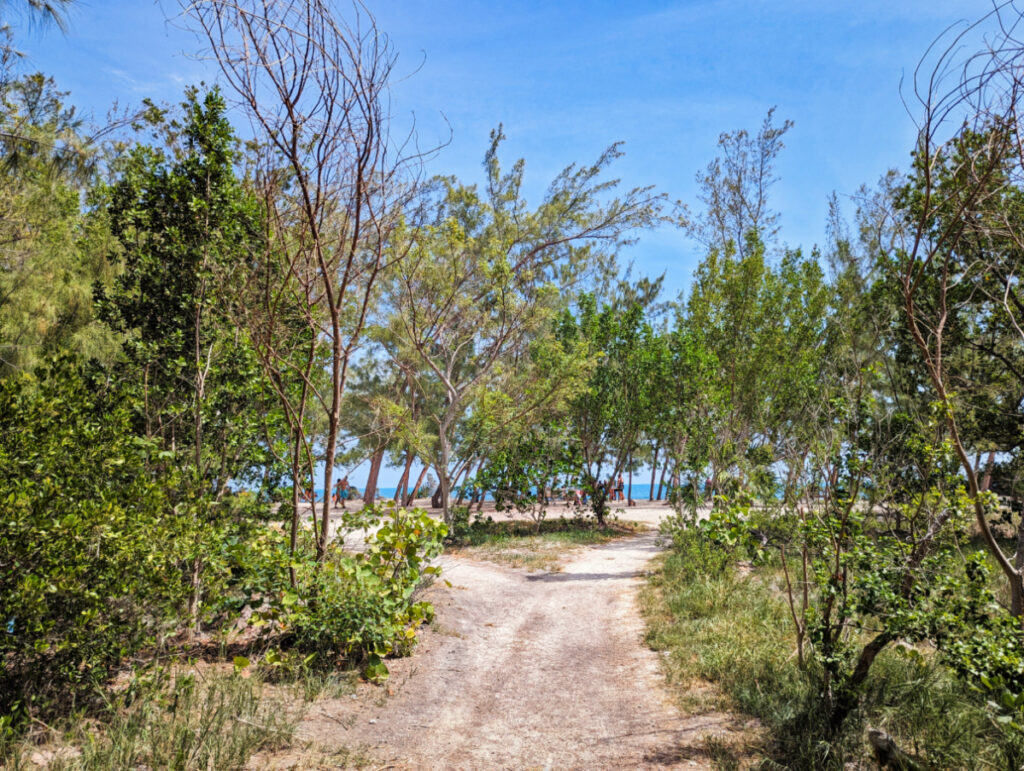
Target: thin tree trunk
(294,534)
(415,488)
(370,493)
(847,698)
(444,484)
(661,479)
(333,424)
(629,488)
(401,489)
(654,471)
(989,463)
(460,483)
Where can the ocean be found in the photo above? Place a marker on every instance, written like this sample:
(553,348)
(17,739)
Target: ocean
(641,492)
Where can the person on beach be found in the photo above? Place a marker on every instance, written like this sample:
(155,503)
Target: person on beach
(620,488)
(343,488)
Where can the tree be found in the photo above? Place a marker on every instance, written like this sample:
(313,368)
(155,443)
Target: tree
(763,329)
(484,280)
(959,227)
(90,563)
(616,406)
(314,88)
(185,230)
(53,251)
(734,190)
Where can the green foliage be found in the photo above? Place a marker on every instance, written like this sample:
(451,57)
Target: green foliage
(186,234)
(715,623)
(981,642)
(90,561)
(52,249)
(472,306)
(531,468)
(354,607)
(608,418)
(464,526)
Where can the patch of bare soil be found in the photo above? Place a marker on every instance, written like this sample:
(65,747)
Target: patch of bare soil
(527,671)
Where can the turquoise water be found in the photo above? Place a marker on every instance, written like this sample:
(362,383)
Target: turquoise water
(641,492)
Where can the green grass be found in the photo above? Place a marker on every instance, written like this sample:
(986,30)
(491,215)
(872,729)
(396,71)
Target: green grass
(188,720)
(522,544)
(733,631)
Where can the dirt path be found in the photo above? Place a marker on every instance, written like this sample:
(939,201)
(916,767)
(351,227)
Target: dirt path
(527,670)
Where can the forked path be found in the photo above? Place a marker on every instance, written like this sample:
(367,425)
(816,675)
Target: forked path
(528,670)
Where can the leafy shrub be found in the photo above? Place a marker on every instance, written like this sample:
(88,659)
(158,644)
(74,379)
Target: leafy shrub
(464,525)
(89,556)
(727,535)
(357,607)
(695,553)
(735,630)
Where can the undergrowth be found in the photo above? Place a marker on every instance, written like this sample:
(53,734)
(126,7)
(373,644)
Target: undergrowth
(185,721)
(730,626)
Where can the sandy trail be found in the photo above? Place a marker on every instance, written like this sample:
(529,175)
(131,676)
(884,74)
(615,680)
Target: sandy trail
(528,670)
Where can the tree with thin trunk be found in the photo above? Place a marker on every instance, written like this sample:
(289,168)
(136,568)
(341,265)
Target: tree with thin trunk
(488,275)
(960,235)
(314,87)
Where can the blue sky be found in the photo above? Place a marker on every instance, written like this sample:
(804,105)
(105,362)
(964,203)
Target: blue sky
(569,78)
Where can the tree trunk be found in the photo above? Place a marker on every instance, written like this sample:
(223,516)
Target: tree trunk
(460,483)
(987,479)
(401,490)
(661,479)
(194,598)
(333,425)
(654,472)
(629,488)
(848,696)
(370,493)
(442,471)
(435,499)
(294,534)
(415,488)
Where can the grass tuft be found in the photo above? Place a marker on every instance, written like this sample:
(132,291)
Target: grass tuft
(186,721)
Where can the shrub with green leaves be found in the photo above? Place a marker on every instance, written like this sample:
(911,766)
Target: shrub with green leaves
(357,607)
(89,568)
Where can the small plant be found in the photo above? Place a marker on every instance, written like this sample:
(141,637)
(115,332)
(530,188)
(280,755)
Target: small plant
(355,608)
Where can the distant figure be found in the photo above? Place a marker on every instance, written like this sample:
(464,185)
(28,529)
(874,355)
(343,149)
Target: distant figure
(343,489)
(620,489)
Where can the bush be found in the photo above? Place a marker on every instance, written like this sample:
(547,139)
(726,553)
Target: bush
(354,607)
(89,558)
(735,630)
